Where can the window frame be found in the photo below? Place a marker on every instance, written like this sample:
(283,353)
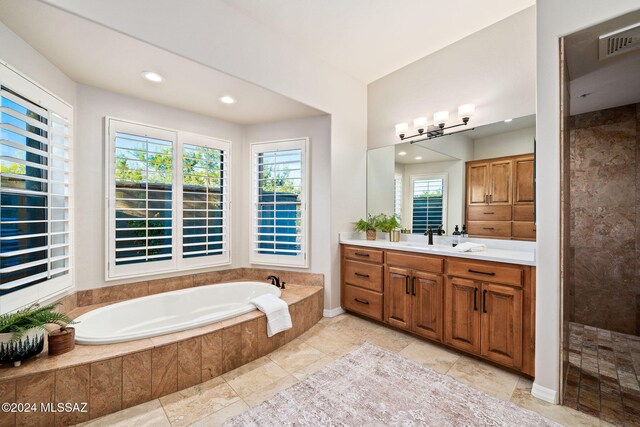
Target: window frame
(177,263)
(445,194)
(62,285)
(301,260)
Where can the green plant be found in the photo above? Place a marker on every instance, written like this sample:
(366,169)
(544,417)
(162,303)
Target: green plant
(386,223)
(34,316)
(365,225)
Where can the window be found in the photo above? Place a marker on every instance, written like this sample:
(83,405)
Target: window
(279,203)
(428,203)
(397,195)
(168,195)
(35,205)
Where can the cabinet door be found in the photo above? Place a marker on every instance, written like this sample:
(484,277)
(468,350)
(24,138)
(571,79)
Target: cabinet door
(500,183)
(502,324)
(523,188)
(462,317)
(478,184)
(397,297)
(426,305)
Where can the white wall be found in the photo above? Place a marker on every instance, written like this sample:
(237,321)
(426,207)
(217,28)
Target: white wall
(92,106)
(493,69)
(380,175)
(318,129)
(554,19)
(505,144)
(217,35)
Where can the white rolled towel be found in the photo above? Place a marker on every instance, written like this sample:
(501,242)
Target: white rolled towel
(277,311)
(470,247)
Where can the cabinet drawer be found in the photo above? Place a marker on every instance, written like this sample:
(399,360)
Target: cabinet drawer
(362,301)
(489,213)
(486,272)
(490,228)
(415,262)
(362,254)
(523,213)
(524,230)
(364,275)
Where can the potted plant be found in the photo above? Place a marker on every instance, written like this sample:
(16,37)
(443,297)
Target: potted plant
(22,332)
(366,226)
(389,224)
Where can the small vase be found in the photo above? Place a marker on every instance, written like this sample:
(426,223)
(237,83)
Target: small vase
(394,236)
(371,234)
(31,344)
(62,341)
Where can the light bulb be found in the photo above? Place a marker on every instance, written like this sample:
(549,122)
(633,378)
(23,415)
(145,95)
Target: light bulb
(440,118)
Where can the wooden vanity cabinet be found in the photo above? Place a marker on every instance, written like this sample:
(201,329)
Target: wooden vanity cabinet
(483,308)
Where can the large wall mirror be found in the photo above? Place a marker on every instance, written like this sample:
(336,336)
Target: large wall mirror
(483,178)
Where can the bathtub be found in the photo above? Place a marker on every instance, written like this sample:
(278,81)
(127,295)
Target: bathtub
(168,312)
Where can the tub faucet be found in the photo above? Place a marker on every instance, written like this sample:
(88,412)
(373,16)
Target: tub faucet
(275,281)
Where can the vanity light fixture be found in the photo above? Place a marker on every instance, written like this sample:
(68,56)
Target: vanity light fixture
(440,119)
(226,99)
(152,76)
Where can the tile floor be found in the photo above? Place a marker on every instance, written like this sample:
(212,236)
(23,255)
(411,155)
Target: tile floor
(221,398)
(602,375)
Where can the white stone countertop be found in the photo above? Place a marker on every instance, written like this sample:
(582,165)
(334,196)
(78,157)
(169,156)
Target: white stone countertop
(507,251)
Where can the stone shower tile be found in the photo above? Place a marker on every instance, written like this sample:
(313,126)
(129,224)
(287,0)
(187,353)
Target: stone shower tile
(136,378)
(72,386)
(106,387)
(164,370)
(189,362)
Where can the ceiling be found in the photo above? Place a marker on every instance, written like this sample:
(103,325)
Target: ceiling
(502,127)
(594,84)
(369,39)
(415,150)
(94,55)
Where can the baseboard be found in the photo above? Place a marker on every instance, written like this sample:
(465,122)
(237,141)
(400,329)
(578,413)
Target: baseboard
(332,312)
(544,393)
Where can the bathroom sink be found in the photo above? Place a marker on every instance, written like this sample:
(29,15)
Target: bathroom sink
(423,245)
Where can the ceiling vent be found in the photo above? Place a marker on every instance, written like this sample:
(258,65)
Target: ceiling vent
(620,41)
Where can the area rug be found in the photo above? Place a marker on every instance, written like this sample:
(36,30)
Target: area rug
(374,387)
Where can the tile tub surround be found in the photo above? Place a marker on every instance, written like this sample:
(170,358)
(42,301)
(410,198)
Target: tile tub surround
(604,202)
(117,376)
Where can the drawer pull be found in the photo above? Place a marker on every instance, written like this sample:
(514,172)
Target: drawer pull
(361,254)
(413,286)
(488,213)
(366,276)
(361,301)
(475,299)
(488,228)
(484,301)
(482,272)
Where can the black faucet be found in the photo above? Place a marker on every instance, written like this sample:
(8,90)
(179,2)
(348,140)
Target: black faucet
(275,281)
(430,234)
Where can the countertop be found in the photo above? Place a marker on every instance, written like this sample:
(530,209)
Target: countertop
(522,253)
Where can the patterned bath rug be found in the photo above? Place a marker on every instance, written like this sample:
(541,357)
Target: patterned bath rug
(374,387)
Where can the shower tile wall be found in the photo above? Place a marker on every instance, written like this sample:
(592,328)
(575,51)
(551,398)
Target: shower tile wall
(604,280)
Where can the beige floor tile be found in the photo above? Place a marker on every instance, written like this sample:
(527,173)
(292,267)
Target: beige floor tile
(226,413)
(485,377)
(256,379)
(192,404)
(148,414)
(314,367)
(390,339)
(328,342)
(295,356)
(560,414)
(260,394)
(246,368)
(430,355)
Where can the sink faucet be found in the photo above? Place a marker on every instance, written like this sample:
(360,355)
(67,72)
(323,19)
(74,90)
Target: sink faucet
(430,234)
(275,281)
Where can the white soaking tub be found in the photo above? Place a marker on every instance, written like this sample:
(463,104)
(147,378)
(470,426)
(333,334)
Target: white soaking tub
(168,312)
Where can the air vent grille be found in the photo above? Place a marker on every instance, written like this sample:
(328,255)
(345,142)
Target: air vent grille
(619,41)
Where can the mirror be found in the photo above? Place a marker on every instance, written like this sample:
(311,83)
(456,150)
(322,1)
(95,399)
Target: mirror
(425,183)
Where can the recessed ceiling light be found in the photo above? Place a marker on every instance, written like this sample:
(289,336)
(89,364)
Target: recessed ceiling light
(402,153)
(418,158)
(508,121)
(227,99)
(152,76)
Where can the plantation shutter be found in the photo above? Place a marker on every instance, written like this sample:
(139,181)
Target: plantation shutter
(35,241)
(279,203)
(427,204)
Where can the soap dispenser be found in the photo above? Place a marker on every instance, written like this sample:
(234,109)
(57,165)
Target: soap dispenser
(456,236)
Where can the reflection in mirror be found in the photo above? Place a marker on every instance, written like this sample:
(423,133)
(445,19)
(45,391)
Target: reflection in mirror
(425,183)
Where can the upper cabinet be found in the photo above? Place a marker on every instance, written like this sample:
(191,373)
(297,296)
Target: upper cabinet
(501,197)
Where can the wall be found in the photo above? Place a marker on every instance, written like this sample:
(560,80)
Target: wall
(505,144)
(488,68)
(92,106)
(605,234)
(318,129)
(553,20)
(381,170)
(217,35)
